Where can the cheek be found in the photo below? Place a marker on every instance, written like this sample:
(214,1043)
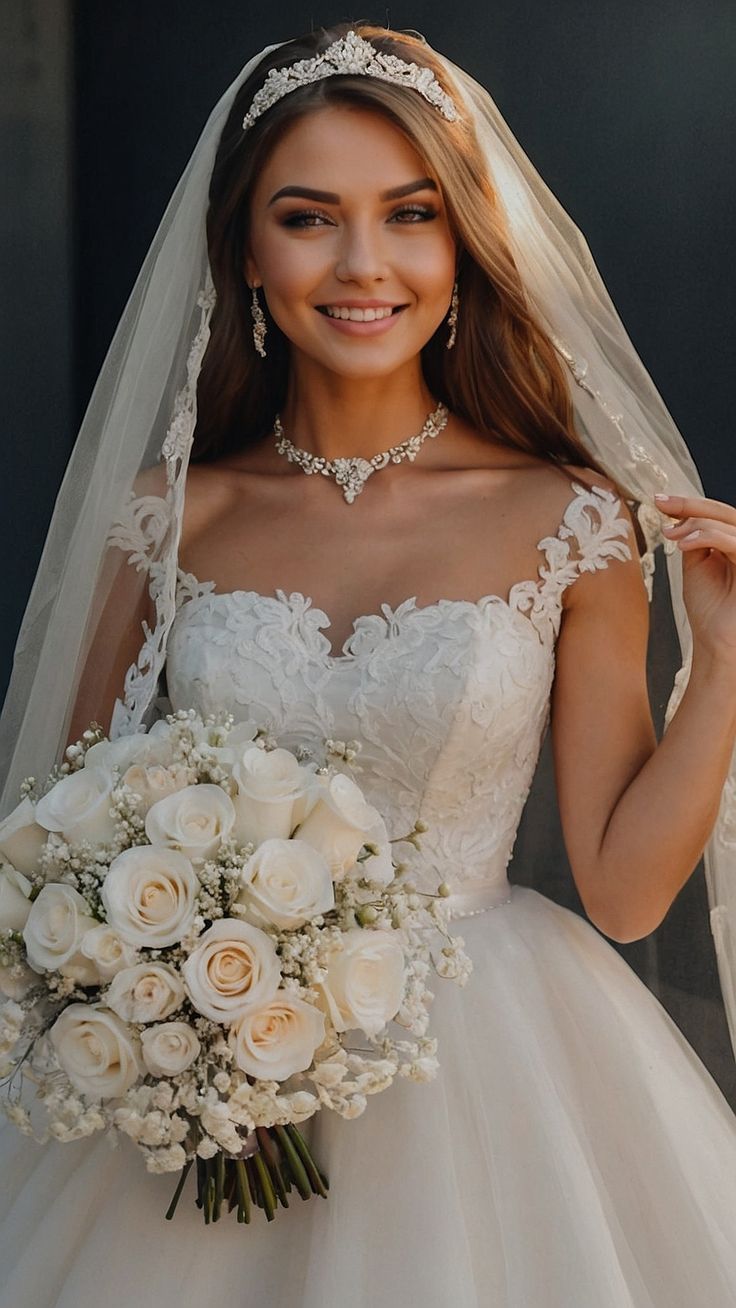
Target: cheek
(291,268)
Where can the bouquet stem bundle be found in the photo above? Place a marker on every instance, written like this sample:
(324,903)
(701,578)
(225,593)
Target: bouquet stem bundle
(279,1159)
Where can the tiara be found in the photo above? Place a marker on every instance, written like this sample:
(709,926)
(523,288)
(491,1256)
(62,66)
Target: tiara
(349,56)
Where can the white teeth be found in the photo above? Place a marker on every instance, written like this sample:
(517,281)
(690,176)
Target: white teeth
(359,315)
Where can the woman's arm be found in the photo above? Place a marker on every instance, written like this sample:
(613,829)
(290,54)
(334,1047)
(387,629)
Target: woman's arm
(636,815)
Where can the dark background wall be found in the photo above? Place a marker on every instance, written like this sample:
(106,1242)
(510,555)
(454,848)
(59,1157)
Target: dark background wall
(627,109)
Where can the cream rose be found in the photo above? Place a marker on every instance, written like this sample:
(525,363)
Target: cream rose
(15,904)
(154,782)
(339,823)
(286,882)
(169,1048)
(194,820)
(365,981)
(149,896)
(22,838)
(108,952)
(53,933)
(79,806)
(98,1052)
(147,992)
(277,1039)
(273,794)
(234,966)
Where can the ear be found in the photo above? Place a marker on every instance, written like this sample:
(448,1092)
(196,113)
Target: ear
(250,271)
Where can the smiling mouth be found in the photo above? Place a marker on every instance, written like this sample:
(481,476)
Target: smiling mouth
(359,315)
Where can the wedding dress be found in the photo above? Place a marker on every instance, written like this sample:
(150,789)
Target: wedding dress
(573,1151)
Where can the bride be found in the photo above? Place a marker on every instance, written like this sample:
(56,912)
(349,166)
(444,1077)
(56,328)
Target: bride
(391,505)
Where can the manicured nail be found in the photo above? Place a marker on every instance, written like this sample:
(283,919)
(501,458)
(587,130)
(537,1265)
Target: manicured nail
(663,497)
(691,535)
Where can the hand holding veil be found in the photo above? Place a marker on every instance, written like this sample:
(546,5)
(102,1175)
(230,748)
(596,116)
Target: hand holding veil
(101,608)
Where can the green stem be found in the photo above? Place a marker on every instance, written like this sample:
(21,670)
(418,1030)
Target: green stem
(243,1188)
(301,1180)
(270,1152)
(201,1177)
(177,1193)
(264,1178)
(219,1167)
(319,1183)
(209,1190)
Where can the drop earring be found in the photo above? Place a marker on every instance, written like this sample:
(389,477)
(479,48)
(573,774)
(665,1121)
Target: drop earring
(452,317)
(259,323)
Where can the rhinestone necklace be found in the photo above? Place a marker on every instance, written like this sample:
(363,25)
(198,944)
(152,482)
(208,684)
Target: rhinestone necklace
(353,473)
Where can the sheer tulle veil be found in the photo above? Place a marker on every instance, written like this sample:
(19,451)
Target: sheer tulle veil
(113,540)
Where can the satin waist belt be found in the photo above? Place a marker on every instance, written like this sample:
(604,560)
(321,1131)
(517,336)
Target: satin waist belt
(477,899)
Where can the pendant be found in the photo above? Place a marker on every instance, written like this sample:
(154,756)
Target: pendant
(352,474)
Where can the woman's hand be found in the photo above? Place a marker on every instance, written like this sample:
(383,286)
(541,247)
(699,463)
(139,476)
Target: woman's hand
(706,535)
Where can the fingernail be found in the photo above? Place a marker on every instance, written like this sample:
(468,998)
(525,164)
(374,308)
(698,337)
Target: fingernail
(691,535)
(662,497)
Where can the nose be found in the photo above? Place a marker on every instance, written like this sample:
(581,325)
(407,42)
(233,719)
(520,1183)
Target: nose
(361,256)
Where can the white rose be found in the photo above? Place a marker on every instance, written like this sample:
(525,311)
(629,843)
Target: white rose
(79,805)
(240,735)
(169,1048)
(365,981)
(147,992)
(108,952)
(339,823)
(53,934)
(150,896)
(286,882)
(194,820)
(278,1038)
(16,981)
(154,782)
(154,747)
(15,904)
(98,1052)
(21,837)
(234,966)
(109,754)
(273,794)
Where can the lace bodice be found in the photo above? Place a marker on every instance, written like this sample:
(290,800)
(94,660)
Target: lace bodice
(450,701)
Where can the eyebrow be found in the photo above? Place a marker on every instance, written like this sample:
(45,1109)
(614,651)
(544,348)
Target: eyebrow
(330,197)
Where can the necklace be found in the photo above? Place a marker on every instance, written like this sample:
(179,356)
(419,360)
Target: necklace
(353,473)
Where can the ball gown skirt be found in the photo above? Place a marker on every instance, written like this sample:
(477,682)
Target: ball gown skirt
(573,1152)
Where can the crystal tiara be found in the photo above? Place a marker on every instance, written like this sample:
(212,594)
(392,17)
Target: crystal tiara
(350,55)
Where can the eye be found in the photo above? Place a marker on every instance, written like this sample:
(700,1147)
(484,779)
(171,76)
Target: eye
(416,212)
(303,217)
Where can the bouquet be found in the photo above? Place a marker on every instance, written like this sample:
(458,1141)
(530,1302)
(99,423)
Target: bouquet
(192,921)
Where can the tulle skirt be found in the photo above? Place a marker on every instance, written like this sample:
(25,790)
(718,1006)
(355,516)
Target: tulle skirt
(572,1153)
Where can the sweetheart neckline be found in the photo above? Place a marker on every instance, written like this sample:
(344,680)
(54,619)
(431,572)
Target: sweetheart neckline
(387,611)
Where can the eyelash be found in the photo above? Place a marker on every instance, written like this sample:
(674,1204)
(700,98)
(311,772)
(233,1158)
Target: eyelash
(425,212)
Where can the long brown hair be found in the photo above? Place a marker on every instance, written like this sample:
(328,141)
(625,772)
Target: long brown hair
(504,375)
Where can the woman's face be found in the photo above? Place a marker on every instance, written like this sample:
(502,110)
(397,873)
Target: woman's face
(346,225)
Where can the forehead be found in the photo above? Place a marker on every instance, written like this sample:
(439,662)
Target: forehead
(337,147)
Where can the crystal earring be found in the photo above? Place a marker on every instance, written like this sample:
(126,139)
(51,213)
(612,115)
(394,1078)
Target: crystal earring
(259,323)
(452,317)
